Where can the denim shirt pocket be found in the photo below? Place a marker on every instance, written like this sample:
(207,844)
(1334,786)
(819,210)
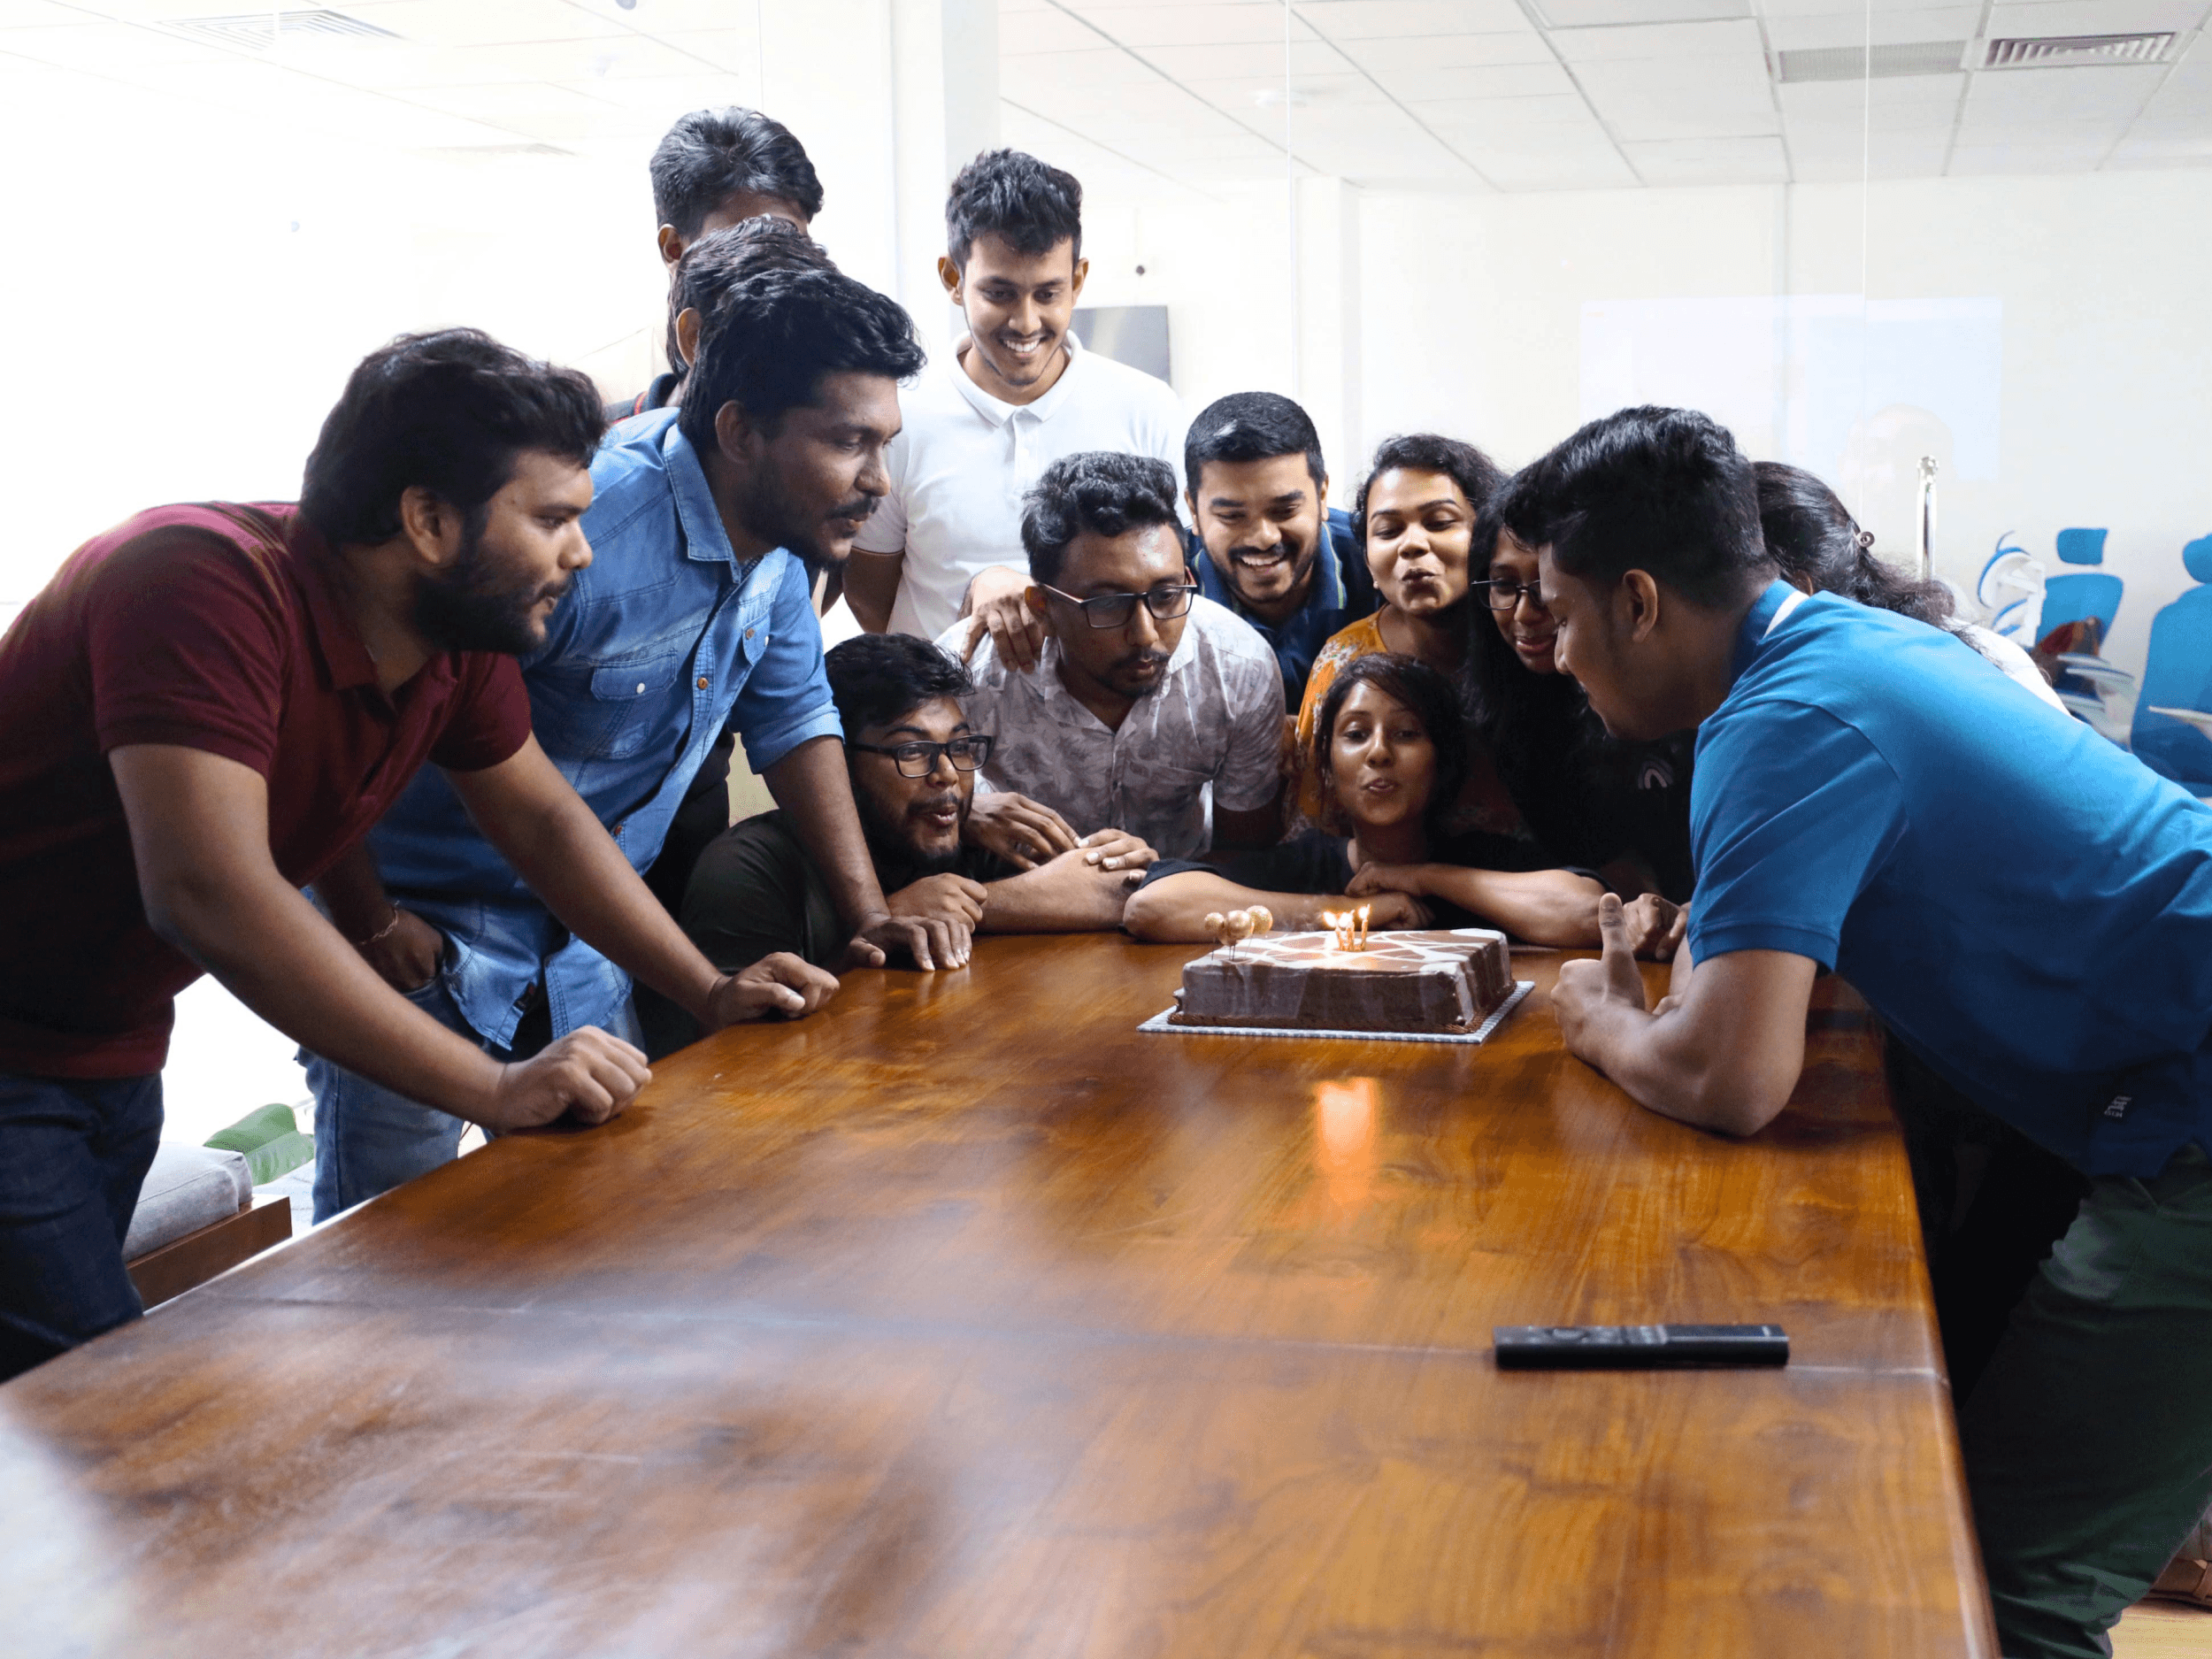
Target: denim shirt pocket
(593,711)
(633,701)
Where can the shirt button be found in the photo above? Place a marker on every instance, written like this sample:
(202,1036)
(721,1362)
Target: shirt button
(641,688)
(748,634)
(703,682)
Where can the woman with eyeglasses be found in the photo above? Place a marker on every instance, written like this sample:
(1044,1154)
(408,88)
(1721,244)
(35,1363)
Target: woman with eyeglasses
(1393,751)
(1621,809)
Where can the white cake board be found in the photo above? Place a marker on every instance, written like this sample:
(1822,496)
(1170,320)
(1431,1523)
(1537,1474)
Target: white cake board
(1521,988)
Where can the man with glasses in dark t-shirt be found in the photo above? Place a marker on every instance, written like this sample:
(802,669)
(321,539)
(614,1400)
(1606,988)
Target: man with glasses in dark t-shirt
(207,707)
(913,757)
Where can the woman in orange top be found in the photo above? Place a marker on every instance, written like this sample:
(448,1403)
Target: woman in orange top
(1416,519)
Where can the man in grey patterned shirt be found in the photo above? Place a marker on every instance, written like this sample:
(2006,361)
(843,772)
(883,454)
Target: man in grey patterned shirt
(1148,705)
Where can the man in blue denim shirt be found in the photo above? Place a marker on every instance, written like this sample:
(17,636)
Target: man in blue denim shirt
(695,615)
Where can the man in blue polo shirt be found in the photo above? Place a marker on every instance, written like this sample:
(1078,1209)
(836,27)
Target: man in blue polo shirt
(2028,909)
(695,615)
(1267,544)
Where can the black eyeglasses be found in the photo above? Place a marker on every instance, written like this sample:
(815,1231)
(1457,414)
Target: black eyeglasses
(1113,610)
(1507,596)
(918,760)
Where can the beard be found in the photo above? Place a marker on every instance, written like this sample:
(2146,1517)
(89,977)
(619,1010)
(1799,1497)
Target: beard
(480,604)
(774,517)
(890,837)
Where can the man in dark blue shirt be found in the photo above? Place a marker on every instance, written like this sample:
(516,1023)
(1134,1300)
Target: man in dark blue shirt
(1268,545)
(2029,910)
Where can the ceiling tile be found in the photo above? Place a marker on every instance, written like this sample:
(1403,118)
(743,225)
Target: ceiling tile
(96,48)
(1238,62)
(1385,58)
(30,14)
(1568,14)
(1505,113)
(1843,100)
(735,51)
(1259,98)
(1704,41)
(1248,22)
(1890,156)
(1891,29)
(1968,160)
(1734,81)
(2092,17)
(1381,19)
(1469,84)
(2104,89)
(481,22)
(1021,76)
(1709,161)
(1594,168)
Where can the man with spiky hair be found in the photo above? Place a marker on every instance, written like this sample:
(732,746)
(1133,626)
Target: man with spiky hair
(1019,393)
(717,168)
(698,619)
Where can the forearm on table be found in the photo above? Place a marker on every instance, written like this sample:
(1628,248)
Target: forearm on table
(1174,908)
(1726,1056)
(812,785)
(1544,907)
(1056,897)
(872,588)
(271,948)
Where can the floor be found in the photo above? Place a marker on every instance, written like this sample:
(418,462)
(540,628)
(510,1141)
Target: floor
(2163,1630)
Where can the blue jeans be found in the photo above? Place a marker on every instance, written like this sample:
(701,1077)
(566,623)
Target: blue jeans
(74,1153)
(370,1139)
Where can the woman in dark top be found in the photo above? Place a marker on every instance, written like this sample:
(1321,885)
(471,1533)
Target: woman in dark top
(1812,535)
(1392,749)
(1621,809)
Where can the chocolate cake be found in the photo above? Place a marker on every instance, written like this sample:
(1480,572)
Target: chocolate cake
(1436,980)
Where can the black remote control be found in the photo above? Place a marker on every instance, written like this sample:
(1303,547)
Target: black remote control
(1638,1347)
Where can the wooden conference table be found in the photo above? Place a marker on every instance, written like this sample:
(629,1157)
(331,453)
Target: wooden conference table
(965,1319)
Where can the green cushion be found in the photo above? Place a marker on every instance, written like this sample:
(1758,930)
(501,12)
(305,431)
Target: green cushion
(270,1139)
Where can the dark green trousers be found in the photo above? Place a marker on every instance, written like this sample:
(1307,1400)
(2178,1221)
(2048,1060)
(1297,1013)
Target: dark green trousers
(2089,1440)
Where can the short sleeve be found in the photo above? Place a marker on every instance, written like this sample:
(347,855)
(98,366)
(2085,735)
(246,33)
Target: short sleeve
(490,718)
(188,640)
(1252,771)
(747,896)
(786,699)
(884,530)
(1792,812)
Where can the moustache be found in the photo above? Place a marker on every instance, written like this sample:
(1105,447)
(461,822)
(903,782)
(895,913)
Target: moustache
(1141,660)
(858,509)
(934,803)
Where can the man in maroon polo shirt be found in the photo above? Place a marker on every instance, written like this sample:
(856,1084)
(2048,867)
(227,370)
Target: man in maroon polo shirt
(206,706)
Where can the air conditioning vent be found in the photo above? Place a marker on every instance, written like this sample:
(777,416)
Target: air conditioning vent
(1852,62)
(2058,51)
(258,31)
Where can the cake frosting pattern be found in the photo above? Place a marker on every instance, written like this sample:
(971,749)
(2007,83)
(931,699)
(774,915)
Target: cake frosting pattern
(1439,979)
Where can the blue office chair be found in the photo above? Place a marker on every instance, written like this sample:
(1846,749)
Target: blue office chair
(2177,676)
(2077,598)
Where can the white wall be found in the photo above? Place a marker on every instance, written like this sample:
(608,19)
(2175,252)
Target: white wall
(1471,307)
(1474,308)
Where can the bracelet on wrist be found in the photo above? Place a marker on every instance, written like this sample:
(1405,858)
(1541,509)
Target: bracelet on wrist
(380,934)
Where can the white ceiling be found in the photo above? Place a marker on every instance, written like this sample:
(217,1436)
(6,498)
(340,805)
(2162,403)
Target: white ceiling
(1538,94)
(1508,94)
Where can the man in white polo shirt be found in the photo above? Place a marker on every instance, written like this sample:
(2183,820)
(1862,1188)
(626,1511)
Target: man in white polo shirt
(984,421)
(1147,704)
